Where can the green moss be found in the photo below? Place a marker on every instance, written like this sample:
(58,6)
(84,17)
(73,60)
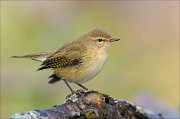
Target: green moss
(90,115)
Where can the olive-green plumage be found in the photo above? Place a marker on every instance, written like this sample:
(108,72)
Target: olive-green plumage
(78,61)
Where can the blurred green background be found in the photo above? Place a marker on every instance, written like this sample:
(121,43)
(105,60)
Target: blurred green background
(146,60)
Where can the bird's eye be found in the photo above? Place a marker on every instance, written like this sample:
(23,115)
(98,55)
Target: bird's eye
(100,40)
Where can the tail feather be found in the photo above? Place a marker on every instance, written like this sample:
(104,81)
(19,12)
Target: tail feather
(54,79)
(38,57)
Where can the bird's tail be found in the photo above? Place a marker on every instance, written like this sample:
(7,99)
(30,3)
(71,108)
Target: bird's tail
(38,57)
(54,79)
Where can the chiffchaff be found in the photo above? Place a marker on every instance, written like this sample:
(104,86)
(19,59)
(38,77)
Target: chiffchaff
(78,61)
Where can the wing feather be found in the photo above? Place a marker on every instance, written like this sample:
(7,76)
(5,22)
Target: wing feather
(68,56)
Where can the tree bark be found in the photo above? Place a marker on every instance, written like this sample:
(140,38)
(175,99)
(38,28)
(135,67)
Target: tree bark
(91,105)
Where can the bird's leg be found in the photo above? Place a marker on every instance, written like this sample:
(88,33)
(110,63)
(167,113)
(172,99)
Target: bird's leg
(68,86)
(82,86)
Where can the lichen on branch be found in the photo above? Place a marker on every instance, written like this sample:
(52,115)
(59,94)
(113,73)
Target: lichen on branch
(86,104)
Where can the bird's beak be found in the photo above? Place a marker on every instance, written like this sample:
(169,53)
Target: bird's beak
(114,39)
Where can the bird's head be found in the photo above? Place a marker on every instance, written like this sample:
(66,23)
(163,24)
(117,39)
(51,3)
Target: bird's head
(99,39)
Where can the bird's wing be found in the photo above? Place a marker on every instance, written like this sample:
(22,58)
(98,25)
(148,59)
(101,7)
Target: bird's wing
(67,56)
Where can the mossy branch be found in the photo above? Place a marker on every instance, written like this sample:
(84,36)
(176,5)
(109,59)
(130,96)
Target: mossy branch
(91,105)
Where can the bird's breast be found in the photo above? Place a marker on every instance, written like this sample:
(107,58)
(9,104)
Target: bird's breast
(89,68)
(94,66)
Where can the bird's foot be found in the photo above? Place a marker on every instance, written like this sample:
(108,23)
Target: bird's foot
(82,86)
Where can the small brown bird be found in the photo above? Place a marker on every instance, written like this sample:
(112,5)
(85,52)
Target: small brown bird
(78,61)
